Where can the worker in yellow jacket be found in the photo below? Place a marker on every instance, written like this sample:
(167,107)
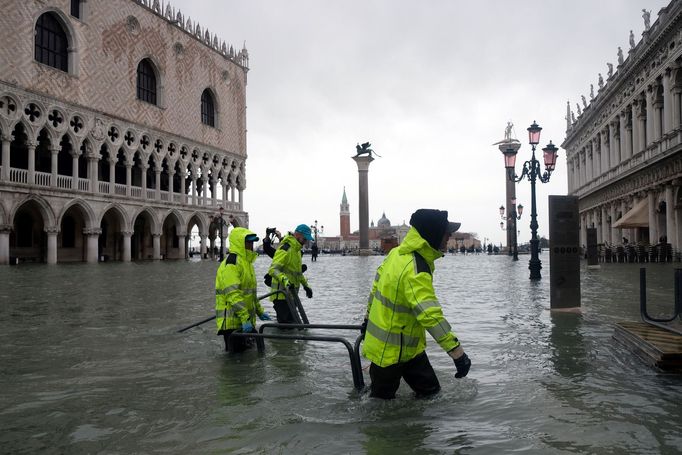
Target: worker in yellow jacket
(403,305)
(236,302)
(286,271)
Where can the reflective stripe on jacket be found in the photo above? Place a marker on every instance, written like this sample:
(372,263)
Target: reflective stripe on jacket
(236,301)
(286,266)
(402,305)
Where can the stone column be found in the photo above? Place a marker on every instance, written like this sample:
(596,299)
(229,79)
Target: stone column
(626,131)
(92,247)
(143,184)
(74,171)
(583,229)
(653,231)
(649,120)
(52,244)
(625,232)
(112,176)
(202,246)
(363,162)
(596,163)
(181,246)
(667,102)
(5,230)
(171,176)
(206,189)
(54,154)
(605,225)
(635,130)
(670,225)
(222,204)
(212,246)
(31,145)
(589,164)
(92,166)
(6,142)
(623,142)
(615,232)
(156,244)
(214,192)
(241,198)
(194,190)
(232,198)
(605,148)
(183,196)
(126,245)
(675,114)
(129,178)
(157,187)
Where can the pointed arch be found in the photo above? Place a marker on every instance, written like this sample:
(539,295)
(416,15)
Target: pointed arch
(55,42)
(117,208)
(44,208)
(90,218)
(155,227)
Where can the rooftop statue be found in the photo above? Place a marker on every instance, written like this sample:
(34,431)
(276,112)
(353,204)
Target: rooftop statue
(584,101)
(620,56)
(591,91)
(365,149)
(632,40)
(572,116)
(580,112)
(610,72)
(600,81)
(647,19)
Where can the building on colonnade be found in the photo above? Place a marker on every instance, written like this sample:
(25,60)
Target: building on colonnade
(624,150)
(123,127)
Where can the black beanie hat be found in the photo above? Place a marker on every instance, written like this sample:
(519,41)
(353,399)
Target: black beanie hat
(431,225)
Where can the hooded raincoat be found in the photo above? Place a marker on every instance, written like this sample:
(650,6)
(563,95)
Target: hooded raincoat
(402,305)
(236,301)
(286,267)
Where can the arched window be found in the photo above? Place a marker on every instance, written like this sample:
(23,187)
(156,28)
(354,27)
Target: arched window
(146,82)
(51,42)
(207,108)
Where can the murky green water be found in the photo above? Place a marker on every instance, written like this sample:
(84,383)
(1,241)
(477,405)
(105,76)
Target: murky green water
(90,362)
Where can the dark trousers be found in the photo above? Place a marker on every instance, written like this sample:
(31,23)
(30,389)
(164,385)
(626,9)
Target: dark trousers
(235,344)
(417,372)
(284,315)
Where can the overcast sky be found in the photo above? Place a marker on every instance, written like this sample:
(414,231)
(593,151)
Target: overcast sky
(431,84)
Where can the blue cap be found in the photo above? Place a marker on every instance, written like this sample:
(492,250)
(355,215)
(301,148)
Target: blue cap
(305,230)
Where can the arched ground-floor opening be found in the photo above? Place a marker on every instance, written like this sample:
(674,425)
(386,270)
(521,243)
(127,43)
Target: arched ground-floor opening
(71,240)
(28,240)
(141,243)
(110,247)
(170,241)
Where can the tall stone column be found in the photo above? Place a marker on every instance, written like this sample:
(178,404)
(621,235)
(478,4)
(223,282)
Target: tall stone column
(6,142)
(667,102)
(589,164)
(604,225)
(212,247)
(183,195)
(605,148)
(614,144)
(653,231)
(126,245)
(241,198)
(157,183)
(156,246)
(624,232)
(74,171)
(202,246)
(194,189)
(53,162)
(129,178)
(143,183)
(92,169)
(583,229)
(635,130)
(676,101)
(363,162)
(5,229)
(182,239)
(112,176)
(623,142)
(31,146)
(649,121)
(615,232)
(51,244)
(670,225)
(92,248)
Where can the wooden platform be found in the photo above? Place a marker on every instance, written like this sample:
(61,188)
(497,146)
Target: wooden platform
(655,346)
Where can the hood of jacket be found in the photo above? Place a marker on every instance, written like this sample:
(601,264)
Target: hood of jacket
(413,242)
(237,244)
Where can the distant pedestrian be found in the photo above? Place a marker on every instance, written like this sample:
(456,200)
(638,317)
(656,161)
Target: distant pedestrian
(314,251)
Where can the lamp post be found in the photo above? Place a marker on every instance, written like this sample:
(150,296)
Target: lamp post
(532,171)
(315,229)
(514,215)
(219,219)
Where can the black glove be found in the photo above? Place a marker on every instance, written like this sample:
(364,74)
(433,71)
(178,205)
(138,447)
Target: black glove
(363,328)
(308,292)
(267,279)
(304,268)
(462,364)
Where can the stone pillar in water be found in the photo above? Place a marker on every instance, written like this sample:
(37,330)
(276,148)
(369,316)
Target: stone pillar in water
(363,162)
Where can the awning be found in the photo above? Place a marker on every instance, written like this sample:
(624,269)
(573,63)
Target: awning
(637,216)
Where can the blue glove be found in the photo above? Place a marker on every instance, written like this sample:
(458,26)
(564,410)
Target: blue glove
(265,317)
(247,327)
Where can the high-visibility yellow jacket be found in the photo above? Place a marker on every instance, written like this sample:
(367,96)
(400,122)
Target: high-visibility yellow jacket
(236,301)
(286,267)
(403,305)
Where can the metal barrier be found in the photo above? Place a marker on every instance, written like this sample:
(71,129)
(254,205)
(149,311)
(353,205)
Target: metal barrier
(353,350)
(678,303)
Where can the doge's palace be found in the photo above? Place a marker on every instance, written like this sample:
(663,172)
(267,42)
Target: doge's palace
(624,149)
(123,127)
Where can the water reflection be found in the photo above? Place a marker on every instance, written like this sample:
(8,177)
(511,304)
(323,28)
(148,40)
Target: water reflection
(569,354)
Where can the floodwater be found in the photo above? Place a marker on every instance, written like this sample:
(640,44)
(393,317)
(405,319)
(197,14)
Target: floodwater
(91,362)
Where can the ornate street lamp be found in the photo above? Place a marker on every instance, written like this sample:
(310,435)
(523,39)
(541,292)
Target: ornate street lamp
(532,170)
